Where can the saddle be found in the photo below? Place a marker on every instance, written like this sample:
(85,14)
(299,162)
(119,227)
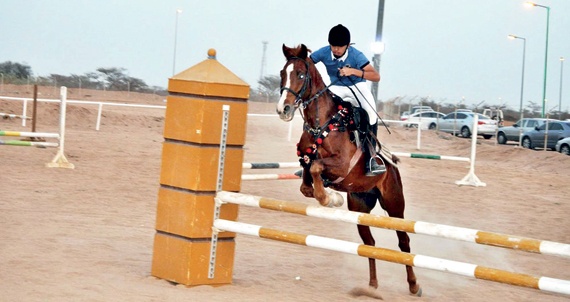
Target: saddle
(360,131)
(357,120)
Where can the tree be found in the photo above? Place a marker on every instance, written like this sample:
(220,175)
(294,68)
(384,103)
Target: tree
(269,87)
(534,108)
(15,70)
(104,78)
(116,79)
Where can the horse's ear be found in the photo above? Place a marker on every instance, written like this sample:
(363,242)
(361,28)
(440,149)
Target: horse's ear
(303,52)
(287,51)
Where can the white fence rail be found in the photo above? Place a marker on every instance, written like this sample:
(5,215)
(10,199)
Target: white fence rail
(101,104)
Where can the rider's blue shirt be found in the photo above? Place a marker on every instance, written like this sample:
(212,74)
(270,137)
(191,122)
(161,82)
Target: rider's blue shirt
(353,58)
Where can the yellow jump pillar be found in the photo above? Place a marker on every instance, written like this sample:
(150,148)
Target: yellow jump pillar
(188,178)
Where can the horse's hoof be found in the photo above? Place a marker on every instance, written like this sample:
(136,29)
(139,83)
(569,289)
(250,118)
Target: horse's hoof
(335,199)
(418,292)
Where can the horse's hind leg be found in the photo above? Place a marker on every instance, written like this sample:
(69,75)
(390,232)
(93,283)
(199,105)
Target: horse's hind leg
(404,245)
(392,201)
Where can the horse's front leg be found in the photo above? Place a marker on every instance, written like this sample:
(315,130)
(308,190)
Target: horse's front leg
(307,184)
(326,198)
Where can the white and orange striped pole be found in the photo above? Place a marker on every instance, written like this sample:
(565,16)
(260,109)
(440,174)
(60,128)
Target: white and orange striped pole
(418,227)
(455,267)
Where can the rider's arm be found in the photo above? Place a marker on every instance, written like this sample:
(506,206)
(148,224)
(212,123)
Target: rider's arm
(370,74)
(367,72)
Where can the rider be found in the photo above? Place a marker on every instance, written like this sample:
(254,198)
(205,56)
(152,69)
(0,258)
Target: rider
(348,70)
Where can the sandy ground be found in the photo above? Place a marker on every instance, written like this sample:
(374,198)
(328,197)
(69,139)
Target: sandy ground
(87,234)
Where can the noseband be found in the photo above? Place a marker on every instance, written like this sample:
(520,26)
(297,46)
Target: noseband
(306,81)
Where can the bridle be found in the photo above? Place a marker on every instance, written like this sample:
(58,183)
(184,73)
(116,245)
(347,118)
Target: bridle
(306,81)
(299,102)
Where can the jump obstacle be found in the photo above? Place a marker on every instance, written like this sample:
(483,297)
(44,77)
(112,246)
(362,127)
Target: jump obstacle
(59,161)
(295,164)
(279,165)
(271,165)
(455,267)
(245,177)
(409,226)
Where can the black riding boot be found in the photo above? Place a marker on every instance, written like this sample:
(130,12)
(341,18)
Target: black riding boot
(372,167)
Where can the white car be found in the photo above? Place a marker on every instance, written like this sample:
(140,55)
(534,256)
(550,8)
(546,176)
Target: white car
(462,123)
(427,119)
(563,146)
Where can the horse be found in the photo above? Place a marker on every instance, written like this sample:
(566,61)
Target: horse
(330,157)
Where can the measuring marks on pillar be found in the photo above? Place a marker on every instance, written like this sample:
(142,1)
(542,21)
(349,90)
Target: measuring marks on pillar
(223,141)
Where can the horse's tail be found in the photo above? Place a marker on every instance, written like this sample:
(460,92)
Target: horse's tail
(395,159)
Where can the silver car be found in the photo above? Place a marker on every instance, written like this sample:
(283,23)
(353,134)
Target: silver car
(563,146)
(462,123)
(427,119)
(514,132)
(535,138)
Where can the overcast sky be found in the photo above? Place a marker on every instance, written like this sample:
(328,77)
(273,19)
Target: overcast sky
(444,49)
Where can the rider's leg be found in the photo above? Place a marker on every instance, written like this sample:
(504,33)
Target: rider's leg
(372,167)
(367,101)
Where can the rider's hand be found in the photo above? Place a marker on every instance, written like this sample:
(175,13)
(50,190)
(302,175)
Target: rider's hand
(346,71)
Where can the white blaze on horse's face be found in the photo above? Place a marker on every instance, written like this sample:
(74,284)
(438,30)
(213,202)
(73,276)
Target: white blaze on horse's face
(286,111)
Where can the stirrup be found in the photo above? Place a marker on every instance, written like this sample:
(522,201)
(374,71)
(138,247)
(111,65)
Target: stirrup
(374,169)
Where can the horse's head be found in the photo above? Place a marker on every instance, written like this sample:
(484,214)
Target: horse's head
(295,81)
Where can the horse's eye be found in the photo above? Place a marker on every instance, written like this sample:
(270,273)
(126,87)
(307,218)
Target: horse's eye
(301,76)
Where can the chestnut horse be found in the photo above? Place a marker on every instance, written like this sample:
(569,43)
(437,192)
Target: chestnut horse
(331,158)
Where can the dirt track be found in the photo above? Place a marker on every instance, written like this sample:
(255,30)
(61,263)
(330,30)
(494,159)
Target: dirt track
(87,234)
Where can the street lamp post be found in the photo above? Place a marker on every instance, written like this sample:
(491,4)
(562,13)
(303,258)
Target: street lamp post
(560,92)
(378,48)
(522,83)
(79,79)
(178,11)
(545,52)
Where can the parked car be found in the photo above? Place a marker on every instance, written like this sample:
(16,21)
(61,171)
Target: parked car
(563,146)
(427,119)
(404,115)
(495,114)
(535,138)
(514,133)
(462,123)
(420,108)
